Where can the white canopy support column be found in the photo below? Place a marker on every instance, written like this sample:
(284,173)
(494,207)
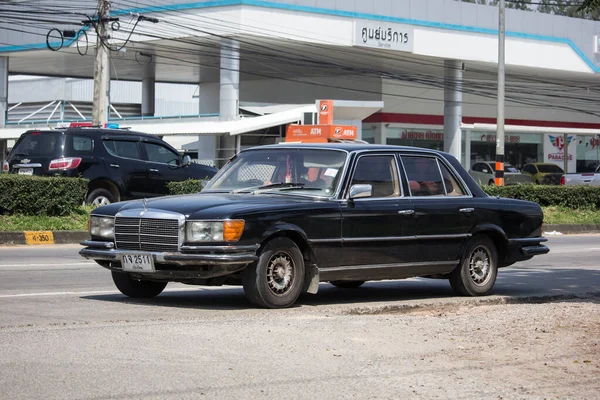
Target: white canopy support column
(229,97)
(3,104)
(452,107)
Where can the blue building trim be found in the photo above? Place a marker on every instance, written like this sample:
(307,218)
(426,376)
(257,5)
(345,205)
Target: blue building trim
(325,11)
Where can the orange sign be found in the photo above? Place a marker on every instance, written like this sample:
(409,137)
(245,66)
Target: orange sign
(319,133)
(326,112)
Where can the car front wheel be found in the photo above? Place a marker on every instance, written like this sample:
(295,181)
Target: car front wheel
(476,274)
(275,280)
(137,289)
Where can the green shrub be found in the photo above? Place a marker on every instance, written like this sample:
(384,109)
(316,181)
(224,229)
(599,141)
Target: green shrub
(185,187)
(35,195)
(573,197)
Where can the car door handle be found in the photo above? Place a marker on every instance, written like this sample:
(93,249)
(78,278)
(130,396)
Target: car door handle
(153,170)
(467,210)
(406,212)
(115,165)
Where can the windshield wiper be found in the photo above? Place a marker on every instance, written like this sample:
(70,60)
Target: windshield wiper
(276,185)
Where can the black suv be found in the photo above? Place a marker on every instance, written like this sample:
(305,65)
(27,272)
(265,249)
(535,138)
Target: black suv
(119,164)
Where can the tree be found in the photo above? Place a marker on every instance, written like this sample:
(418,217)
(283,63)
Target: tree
(589,5)
(570,9)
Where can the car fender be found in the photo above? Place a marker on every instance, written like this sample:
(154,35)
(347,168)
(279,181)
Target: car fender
(297,234)
(495,232)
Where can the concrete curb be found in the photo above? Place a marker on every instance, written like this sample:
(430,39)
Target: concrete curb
(470,302)
(60,237)
(572,229)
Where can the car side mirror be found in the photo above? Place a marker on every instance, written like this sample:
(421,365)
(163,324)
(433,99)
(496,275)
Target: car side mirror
(361,191)
(185,161)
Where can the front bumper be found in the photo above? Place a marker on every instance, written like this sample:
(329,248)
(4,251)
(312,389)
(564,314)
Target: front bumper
(192,261)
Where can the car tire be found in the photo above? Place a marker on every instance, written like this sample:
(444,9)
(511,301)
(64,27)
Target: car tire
(347,284)
(275,280)
(137,289)
(100,197)
(477,271)
(492,183)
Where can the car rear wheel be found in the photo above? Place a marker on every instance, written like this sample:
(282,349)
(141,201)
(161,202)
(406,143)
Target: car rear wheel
(275,280)
(100,197)
(137,289)
(347,284)
(476,274)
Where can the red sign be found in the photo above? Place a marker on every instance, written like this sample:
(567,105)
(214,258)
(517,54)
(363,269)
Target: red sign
(422,135)
(326,112)
(319,133)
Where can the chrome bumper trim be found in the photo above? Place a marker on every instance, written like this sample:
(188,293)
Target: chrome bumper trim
(172,258)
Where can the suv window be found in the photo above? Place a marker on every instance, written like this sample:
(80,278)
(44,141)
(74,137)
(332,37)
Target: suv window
(529,168)
(36,144)
(81,144)
(160,154)
(423,175)
(478,167)
(381,172)
(122,148)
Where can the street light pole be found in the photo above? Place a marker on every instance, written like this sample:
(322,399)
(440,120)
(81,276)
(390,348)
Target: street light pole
(500,117)
(101,71)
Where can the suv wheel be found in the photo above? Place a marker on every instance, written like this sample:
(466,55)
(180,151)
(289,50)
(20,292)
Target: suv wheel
(100,197)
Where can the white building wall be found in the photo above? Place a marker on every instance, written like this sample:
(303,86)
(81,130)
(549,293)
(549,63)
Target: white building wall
(288,92)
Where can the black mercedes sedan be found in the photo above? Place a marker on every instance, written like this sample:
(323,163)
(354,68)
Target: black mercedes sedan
(280,219)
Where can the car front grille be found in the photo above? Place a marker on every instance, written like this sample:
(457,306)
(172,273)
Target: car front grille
(147,234)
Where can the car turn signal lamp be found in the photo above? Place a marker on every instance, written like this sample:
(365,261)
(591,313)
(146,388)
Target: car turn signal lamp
(214,231)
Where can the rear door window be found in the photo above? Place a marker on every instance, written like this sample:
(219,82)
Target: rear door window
(123,148)
(424,177)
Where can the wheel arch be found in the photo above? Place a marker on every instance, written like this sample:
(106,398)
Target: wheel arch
(103,183)
(300,238)
(498,237)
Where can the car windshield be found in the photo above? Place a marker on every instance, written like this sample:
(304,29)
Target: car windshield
(313,172)
(38,144)
(549,168)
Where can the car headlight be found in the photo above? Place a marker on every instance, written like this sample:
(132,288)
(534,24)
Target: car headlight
(102,227)
(214,231)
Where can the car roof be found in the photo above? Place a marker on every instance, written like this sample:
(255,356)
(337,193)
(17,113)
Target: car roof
(349,147)
(94,132)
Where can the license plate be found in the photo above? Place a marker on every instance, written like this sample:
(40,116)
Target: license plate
(25,171)
(137,262)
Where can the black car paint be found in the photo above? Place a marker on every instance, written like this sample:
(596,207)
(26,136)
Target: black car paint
(133,178)
(429,242)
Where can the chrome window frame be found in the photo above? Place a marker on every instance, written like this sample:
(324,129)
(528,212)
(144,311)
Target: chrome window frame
(374,153)
(118,156)
(160,145)
(332,196)
(459,179)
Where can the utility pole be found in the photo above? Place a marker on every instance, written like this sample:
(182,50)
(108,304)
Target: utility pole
(101,68)
(500,117)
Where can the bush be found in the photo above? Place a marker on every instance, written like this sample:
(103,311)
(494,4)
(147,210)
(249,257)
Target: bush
(185,187)
(573,197)
(35,195)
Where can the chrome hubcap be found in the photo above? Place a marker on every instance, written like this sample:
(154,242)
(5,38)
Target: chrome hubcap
(479,266)
(280,273)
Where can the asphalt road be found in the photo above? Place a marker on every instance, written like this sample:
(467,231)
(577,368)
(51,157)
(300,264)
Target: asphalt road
(66,332)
